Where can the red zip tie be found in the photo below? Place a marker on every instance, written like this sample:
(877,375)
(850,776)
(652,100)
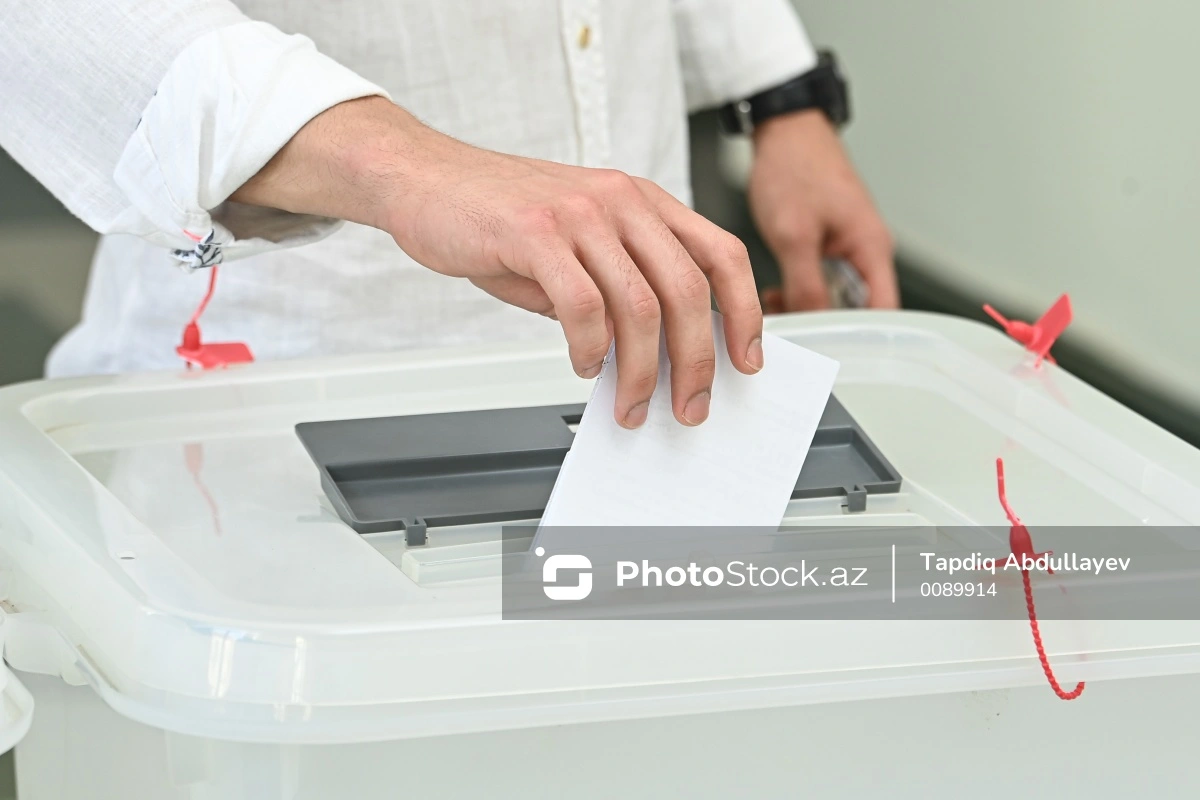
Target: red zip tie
(208,356)
(1021,545)
(1040,336)
(191,333)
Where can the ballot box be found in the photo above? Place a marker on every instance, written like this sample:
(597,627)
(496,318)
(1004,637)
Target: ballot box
(189,611)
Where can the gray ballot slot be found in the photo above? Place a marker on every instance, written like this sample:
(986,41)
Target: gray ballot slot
(411,473)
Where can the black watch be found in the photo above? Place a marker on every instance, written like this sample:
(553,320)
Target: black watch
(822,87)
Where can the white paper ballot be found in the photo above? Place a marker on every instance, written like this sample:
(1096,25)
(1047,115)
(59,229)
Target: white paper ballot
(736,469)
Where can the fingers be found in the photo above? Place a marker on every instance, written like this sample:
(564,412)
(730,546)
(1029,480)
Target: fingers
(622,260)
(723,258)
(571,296)
(684,296)
(871,255)
(636,314)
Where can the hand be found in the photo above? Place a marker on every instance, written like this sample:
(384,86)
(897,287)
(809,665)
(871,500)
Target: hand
(809,204)
(605,254)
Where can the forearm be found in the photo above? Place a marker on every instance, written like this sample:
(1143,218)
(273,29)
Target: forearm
(351,162)
(371,162)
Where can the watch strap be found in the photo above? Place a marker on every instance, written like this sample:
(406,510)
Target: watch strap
(820,88)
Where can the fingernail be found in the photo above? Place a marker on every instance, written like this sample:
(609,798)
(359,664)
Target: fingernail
(754,355)
(696,410)
(637,415)
(591,371)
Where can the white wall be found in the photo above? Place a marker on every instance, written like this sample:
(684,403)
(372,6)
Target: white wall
(1028,147)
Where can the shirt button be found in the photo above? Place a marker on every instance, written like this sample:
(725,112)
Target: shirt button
(585,37)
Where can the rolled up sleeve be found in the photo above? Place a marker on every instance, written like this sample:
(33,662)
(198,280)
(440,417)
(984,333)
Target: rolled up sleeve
(730,49)
(144,117)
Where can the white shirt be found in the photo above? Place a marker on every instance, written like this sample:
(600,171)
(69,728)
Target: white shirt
(143,116)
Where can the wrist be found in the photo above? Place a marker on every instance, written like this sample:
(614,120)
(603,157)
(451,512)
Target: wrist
(374,151)
(806,123)
(823,87)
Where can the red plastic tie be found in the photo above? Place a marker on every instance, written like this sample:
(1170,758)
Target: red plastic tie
(1040,336)
(191,334)
(208,356)
(1021,544)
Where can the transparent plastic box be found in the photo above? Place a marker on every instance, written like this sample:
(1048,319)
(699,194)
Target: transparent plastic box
(194,620)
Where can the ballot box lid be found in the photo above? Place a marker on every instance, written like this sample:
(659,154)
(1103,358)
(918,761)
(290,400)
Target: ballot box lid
(166,539)
(414,471)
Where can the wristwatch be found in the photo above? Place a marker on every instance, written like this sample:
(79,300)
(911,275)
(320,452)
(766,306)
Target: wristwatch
(822,87)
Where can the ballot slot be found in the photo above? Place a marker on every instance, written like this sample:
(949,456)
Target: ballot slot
(413,473)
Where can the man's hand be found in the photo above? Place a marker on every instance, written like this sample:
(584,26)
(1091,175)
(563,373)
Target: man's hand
(809,204)
(605,254)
